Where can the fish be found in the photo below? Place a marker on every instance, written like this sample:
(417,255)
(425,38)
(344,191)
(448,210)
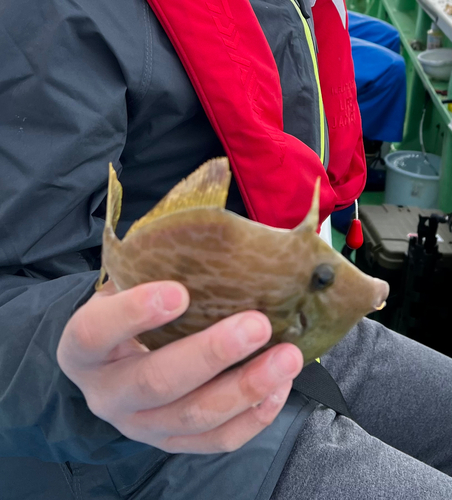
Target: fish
(311,294)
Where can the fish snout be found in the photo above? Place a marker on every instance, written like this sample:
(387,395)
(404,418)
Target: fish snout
(382,292)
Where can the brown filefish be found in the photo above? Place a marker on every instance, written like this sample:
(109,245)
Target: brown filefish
(311,294)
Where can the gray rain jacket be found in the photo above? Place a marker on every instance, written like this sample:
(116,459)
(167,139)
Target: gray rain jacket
(82,83)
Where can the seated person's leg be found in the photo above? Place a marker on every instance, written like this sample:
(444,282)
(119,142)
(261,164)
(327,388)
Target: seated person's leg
(373,30)
(400,392)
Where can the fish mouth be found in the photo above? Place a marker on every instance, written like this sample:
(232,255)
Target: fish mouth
(382,289)
(380,307)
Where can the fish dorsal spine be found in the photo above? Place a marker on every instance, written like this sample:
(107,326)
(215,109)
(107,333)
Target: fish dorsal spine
(311,221)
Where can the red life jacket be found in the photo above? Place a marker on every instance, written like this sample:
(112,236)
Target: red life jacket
(230,64)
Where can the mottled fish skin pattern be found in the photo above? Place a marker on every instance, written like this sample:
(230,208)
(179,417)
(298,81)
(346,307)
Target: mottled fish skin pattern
(231,264)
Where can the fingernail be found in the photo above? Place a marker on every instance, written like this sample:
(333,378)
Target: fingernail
(286,363)
(251,330)
(170,297)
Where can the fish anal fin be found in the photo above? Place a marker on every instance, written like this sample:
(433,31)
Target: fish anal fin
(207,186)
(311,221)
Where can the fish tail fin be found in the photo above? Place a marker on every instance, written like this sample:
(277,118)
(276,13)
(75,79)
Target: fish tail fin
(114,202)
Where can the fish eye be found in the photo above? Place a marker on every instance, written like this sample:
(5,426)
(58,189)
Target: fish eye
(322,277)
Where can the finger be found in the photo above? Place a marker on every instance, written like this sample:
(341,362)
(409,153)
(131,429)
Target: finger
(107,320)
(225,397)
(236,432)
(165,375)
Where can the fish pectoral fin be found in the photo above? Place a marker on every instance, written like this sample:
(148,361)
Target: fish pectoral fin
(207,186)
(114,200)
(311,221)
(101,280)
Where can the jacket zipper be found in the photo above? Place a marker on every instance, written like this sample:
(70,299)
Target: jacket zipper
(310,41)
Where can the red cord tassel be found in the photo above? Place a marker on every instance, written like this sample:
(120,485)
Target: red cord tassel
(355,238)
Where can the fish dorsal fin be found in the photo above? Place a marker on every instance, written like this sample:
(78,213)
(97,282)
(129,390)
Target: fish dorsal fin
(207,186)
(114,202)
(311,221)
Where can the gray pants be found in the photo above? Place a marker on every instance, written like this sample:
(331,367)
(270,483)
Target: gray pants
(400,394)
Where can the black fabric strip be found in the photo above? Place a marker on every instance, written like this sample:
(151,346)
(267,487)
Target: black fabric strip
(316,383)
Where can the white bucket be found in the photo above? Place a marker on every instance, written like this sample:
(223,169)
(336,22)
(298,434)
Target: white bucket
(411,179)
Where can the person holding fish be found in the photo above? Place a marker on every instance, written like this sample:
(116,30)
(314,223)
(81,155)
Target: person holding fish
(191,372)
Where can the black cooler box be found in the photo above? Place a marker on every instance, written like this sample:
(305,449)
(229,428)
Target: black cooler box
(420,302)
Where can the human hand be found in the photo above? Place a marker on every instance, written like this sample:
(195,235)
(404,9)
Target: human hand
(177,398)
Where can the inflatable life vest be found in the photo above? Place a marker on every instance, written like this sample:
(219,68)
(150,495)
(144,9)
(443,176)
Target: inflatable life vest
(232,69)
